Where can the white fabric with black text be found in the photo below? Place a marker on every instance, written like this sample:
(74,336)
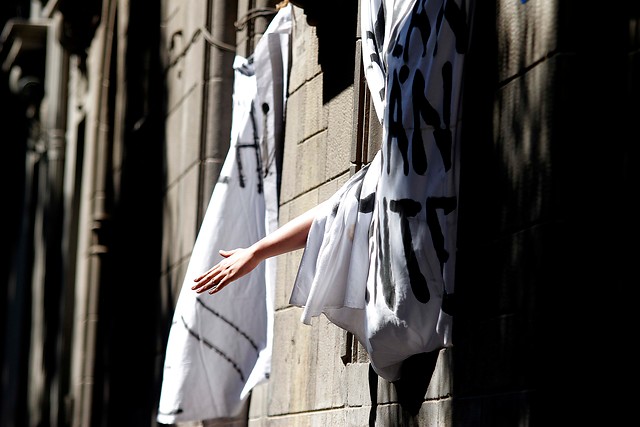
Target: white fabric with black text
(380,262)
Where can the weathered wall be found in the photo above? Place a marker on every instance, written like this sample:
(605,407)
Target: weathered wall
(319,375)
(547,231)
(532,264)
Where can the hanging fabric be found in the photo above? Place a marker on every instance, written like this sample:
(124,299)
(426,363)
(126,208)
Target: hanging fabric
(219,347)
(380,262)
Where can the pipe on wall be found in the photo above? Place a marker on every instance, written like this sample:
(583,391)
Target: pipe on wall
(217,95)
(85,355)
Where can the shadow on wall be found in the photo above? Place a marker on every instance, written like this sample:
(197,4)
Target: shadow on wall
(336,31)
(415,377)
(134,316)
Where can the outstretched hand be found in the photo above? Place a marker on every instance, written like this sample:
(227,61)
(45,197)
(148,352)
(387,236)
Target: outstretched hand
(241,261)
(236,263)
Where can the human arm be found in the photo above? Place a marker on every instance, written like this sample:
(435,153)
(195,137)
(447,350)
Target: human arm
(241,261)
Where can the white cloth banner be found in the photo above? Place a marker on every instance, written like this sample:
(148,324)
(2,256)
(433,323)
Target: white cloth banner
(380,262)
(219,347)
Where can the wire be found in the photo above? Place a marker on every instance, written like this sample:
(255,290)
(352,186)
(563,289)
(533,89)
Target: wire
(194,37)
(222,45)
(240,25)
(253,14)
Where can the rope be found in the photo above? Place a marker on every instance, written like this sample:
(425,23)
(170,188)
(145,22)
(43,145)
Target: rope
(253,14)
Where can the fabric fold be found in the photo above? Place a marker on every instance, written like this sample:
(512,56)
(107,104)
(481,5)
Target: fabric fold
(219,347)
(380,261)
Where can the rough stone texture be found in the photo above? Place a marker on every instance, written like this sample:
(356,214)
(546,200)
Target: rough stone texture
(339,135)
(440,383)
(288,263)
(329,369)
(180,221)
(191,136)
(258,404)
(343,417)
(294,357)
(543,240)
(176,276)
(287,187)
(523,125)
(355,377)
(304,51)
(311,156)
(314,112)
(328,189)
(318,376)
(311,384)
(184,59)
(528,33)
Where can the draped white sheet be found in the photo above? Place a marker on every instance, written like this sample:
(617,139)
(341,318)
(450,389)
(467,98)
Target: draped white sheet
(380,262)
(219,347)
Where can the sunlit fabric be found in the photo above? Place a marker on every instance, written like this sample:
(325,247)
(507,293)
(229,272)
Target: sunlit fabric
(219,346)
(380,261)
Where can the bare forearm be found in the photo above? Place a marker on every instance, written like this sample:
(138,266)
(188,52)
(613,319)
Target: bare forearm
(289,237)
(239,262)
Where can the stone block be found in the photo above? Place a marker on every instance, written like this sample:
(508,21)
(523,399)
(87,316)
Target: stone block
(287,270)
(339,133)
(258,405)
(528,34)
(314,111)
(287,264)
(184,125)
(175,279)
(357,383)
(329,372)
(310,163)
(185,50)
(192,62)
(181,223)
(304,51)
(430,414)
(294,359)
(329,188)
(441,381)
(523,123)
(191,138)
(175,137)
(293,136)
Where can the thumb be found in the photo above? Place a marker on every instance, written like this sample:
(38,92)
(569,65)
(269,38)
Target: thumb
(226,253)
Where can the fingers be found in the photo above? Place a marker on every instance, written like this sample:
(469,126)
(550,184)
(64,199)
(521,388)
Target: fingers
(215,285)
(211,285)
(206,281)
(217,288)
(213,280)
(218,276)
